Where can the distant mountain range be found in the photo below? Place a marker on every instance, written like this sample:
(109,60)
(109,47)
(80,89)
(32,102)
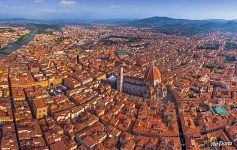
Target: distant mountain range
(186,27)
(160,24)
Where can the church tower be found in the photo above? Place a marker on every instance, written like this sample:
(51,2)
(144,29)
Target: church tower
(236,69)
(78,59)
(120,79)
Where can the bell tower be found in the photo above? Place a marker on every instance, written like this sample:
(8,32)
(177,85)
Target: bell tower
(78,59)
(120,79)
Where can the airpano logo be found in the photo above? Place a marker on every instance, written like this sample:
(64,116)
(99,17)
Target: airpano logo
(221,143)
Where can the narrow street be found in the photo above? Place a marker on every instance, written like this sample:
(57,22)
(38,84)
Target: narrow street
(182,138)
(13,113)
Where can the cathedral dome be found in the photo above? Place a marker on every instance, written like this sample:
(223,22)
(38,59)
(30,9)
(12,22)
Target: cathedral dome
(152,74)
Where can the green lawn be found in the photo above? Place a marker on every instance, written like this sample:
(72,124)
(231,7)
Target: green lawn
(22,38)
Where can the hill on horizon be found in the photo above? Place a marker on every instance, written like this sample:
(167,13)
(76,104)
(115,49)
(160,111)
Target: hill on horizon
(185,26)
(165,25)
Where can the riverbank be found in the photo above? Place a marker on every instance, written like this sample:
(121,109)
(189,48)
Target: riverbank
(23,40)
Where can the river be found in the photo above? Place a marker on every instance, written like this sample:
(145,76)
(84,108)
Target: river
(14,46)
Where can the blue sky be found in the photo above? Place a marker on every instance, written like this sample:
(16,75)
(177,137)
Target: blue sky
(114,9)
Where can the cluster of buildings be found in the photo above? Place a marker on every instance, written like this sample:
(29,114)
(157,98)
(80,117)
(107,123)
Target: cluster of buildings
(84,88)
(9,34)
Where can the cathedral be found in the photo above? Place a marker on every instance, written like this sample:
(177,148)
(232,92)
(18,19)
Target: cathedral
(148,87)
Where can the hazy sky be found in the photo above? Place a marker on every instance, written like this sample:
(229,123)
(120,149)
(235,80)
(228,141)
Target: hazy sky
(122,9)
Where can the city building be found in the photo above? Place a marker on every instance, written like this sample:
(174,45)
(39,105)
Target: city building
(40,108)
(148,87)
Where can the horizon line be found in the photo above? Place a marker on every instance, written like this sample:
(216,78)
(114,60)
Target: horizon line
(94,19)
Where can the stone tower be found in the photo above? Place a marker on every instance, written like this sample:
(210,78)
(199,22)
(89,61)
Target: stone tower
(120,79)
(78,59)
(236,69)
